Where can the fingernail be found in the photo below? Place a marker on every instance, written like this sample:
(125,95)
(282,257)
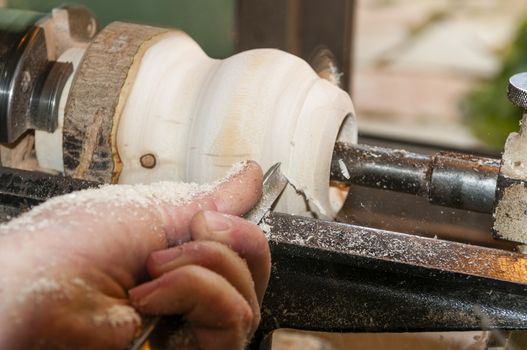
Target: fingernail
(217,222)
(141,291)
(161,257)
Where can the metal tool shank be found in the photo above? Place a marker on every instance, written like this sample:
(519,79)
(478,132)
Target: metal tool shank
(450,179)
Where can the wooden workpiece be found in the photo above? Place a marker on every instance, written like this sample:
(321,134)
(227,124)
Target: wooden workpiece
(94,98)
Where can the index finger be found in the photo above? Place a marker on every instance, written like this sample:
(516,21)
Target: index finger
(115,228)
(235,195)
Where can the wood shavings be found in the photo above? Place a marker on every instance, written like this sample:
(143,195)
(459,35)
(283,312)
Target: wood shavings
(310,200)
(39,289)
(511,215)
(344,169)
(235,170)
(139,195)
(82,284)
(117,316)
(266,228)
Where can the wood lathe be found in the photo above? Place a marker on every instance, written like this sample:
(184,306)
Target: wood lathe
(81,106)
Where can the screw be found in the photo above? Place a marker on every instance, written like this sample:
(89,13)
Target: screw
(26,80)
(148,161)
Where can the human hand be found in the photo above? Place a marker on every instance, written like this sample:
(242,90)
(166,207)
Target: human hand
(76,269)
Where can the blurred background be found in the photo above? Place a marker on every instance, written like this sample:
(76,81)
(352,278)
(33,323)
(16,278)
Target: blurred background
(437,70)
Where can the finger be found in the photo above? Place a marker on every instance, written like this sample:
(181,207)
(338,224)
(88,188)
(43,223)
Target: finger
(214,256)
(235,195)
(111,323)
(219,316)
(242,236)
(115,228)
(240,192)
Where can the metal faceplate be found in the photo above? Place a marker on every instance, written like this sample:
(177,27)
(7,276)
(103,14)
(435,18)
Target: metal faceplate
(30,84)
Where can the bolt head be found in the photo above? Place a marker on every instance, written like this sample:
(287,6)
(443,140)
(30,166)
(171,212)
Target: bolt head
(26,81)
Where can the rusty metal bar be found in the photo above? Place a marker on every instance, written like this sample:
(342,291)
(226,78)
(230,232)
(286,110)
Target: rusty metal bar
(450,179)
(330,276)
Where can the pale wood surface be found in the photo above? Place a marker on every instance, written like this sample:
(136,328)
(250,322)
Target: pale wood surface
(94,97)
